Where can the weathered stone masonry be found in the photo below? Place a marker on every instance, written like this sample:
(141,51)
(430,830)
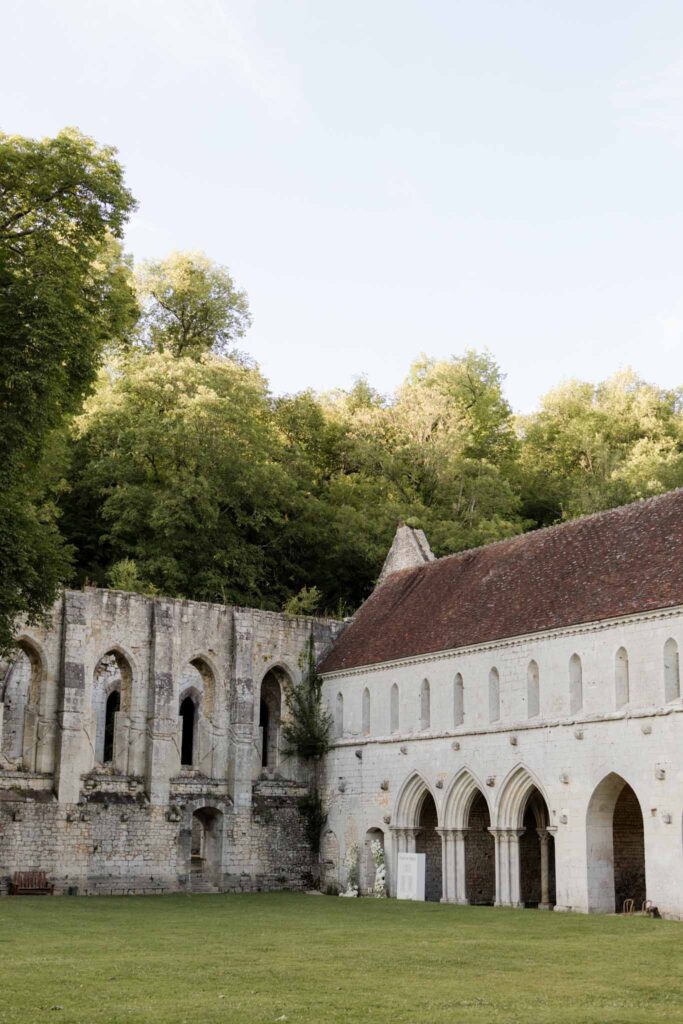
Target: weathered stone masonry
(126,824)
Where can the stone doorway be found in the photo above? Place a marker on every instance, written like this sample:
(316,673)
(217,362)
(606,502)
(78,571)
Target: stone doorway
(206,847)
(615,847)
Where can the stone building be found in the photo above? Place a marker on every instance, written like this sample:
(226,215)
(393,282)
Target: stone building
(140,747)
(514,712)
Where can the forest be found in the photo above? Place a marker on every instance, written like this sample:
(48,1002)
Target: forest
(141,447)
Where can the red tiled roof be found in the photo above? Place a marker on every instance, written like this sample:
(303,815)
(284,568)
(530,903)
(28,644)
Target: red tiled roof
(614,563)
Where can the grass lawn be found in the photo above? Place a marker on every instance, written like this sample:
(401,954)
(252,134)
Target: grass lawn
(309,960)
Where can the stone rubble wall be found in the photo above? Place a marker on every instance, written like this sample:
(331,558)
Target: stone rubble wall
(126,827)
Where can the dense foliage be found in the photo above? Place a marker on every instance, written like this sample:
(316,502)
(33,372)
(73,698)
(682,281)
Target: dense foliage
(65,293)
(181,474)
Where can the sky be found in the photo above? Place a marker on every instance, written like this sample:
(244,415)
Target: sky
(392,177)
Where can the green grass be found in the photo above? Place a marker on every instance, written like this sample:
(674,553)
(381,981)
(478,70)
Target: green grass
(263,958)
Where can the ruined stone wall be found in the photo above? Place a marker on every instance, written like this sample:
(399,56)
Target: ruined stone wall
(126,826)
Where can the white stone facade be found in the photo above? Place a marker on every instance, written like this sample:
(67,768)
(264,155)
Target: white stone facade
(570,737)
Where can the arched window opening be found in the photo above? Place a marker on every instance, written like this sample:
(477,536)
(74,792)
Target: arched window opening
(111,695)
(270,718)
(112,708)
(672,680)
(19,694)
(368,867)
(425,705)
(621,684)
(533,691)
(393,709)
(366,712)
(494,695)
(575,684)
(339,716)
(187,714)
(458,701)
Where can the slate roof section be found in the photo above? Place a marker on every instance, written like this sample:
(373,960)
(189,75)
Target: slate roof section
(623,561)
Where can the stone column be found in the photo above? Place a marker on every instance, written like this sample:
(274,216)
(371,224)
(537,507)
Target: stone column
(459,838)
(514,866)
(162,712)
(544,840)
(447,865)
(242,712)
(410,837)
(71,753)
(502,873)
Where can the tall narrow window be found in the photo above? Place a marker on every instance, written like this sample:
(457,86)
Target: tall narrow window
(621,686)
(458,701)
(112,706)
(339,716)
(533,691)
(575,684)
(494,695)
(393,709)
(187,713)
(366,711)
(672,679)
(425,705)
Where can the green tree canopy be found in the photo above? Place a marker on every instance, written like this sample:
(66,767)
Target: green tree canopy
(595,446)
(190,305)
(64,294)
(176,467)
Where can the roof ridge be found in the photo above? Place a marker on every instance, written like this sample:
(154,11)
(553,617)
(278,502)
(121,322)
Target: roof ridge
(615,510)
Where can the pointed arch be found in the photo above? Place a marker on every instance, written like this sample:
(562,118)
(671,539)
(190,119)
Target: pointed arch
(515,791)
(339,715)
(615,849)
(410,799)
(460,795)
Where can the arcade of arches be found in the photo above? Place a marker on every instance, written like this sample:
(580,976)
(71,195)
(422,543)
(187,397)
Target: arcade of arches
(473,862)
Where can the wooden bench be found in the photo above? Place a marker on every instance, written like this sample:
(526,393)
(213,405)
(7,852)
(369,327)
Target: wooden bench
(30,883)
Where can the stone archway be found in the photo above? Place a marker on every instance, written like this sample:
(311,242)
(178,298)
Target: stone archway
(525,856)
(615,847)
(416,831)
(206,847)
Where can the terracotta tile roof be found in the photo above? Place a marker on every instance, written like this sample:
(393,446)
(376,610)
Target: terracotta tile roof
(614,563)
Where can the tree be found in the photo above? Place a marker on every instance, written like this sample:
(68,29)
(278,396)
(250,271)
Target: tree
(190,305)
(64,294)
(595,446)
(176,466)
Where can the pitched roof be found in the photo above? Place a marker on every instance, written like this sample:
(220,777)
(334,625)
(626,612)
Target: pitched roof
(602,566)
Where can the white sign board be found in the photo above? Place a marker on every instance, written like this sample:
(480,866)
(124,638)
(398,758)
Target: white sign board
(410,877)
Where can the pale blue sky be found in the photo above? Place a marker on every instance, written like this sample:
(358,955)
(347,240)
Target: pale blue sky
(387,177)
